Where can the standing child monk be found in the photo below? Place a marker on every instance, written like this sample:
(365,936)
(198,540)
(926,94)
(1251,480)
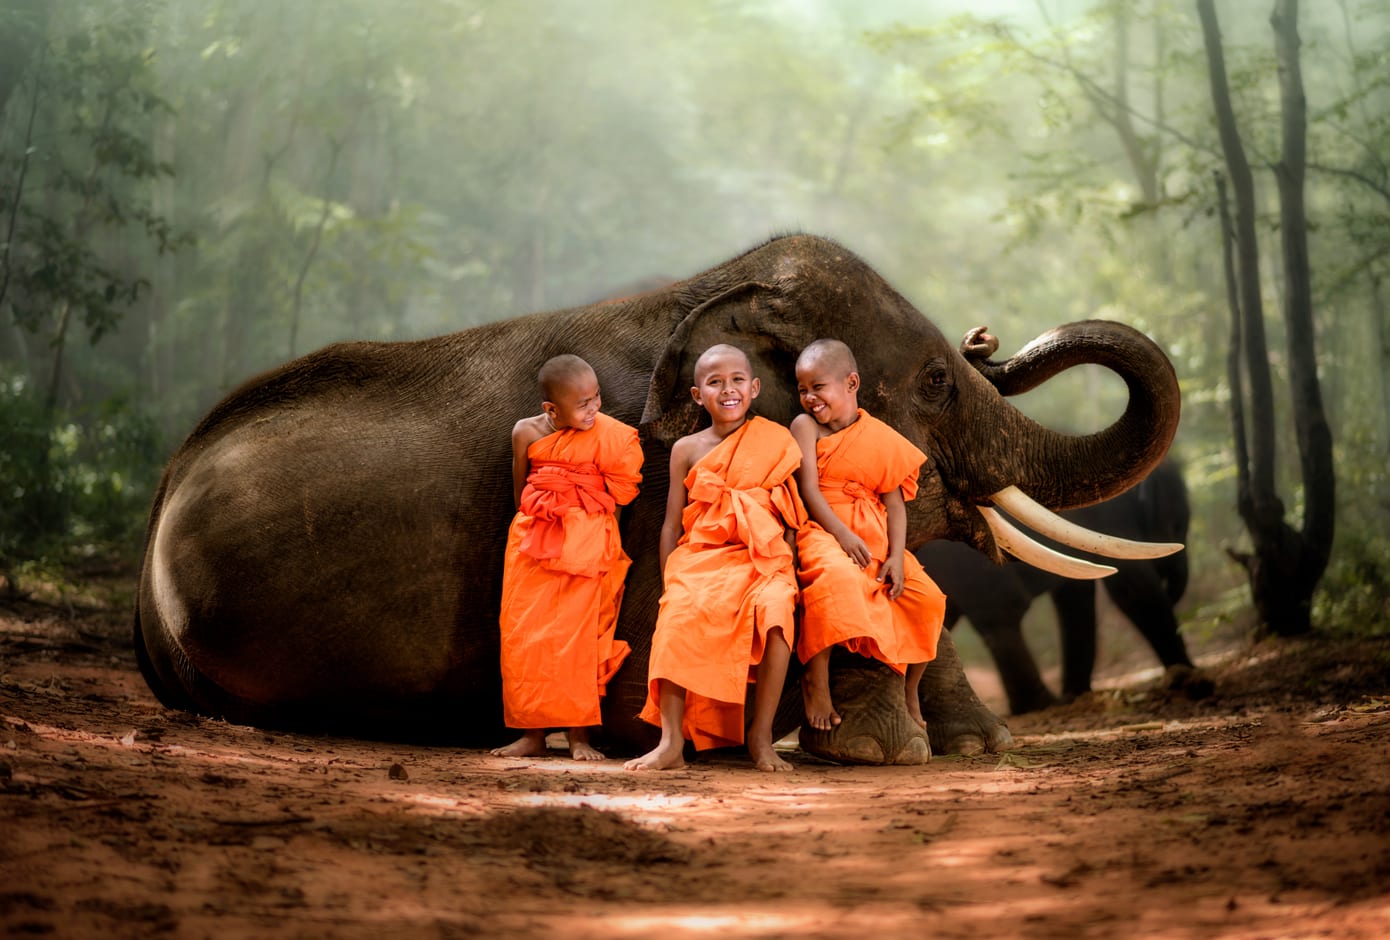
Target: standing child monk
(563,580)
(859,587)
(729,575)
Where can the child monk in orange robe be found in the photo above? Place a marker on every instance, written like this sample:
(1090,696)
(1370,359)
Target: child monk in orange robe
(729,575)
(859,587)
(572,467)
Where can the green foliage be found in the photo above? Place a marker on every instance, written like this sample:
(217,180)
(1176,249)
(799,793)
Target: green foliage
(69,167)
(1354,594)
(70,487)
(32,508)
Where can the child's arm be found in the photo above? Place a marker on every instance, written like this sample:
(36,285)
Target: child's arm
(672,526)
(523,436)
(891,571)
(808,480)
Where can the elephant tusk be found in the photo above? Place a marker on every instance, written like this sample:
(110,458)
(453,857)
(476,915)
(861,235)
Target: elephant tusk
(1046,522)
(1038,555)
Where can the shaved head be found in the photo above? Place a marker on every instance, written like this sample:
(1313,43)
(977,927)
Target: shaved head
(719,351)
(560,373)
(831,354)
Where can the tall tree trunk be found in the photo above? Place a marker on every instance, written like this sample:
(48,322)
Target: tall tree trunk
(1310,419)
(336,148)
(1285,565)
(1140,160)
(12,220)
(1234,374)
(1381,327)
(59,344)
(1256,497)
(27,22)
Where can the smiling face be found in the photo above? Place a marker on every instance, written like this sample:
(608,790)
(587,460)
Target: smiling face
(575,402)
(828,384)
(724,384)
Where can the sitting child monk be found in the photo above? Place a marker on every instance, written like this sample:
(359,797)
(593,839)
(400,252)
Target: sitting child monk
(730,581)
(572,467)
(859,587)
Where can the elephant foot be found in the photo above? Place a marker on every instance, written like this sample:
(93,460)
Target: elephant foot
(979,732)
(875,727)
(1189,680)
(959,723)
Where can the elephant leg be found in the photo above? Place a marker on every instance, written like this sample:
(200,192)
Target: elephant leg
(1023,683)
(957,721)
(1075,602)
(1139,593)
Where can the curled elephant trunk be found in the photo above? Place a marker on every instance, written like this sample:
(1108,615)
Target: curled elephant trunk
(1065,471)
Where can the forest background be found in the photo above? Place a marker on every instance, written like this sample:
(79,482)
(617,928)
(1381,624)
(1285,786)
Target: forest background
(192,191)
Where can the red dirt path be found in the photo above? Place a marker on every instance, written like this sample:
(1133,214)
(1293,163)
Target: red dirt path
(1261,812)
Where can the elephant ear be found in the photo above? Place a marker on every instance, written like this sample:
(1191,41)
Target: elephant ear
(754,316)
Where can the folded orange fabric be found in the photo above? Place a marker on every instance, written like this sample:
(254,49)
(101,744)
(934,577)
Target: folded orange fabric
(730,579)
(562,583)
(843,603)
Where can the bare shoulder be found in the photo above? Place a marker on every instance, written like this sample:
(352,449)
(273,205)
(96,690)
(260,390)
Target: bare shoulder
(805,429)
(688,450)
(529,430)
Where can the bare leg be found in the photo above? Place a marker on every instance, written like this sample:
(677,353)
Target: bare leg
(669,753)
(580,748)
(772,673)
(815,693)
(530,744)
(912,687)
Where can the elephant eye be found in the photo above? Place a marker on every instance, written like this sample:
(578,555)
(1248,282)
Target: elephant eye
(934,380)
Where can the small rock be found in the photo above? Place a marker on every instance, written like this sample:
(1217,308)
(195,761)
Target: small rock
(397,772)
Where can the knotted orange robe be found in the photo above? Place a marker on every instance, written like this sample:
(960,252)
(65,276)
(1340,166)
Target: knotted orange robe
(730,579)
(842,602)
(563,578)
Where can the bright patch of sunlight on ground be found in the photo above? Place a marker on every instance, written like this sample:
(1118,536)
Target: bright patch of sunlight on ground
(720,925)
(645,802)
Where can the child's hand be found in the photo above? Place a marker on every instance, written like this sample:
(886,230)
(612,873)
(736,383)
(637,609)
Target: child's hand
(855,547)
(891,574)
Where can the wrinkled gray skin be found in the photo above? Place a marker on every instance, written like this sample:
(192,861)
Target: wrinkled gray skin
(325,550)
(994,599)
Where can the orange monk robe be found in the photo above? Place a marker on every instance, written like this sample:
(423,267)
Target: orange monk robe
(842,602)
(563,579)
(729,580)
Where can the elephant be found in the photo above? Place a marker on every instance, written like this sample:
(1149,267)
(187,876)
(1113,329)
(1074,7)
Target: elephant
(995,598)
(324,551)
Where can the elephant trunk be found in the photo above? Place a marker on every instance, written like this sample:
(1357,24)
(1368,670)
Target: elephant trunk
(1065,471)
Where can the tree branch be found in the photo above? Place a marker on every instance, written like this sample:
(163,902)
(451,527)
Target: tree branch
(1097,92)
(23,172)
(1379,189)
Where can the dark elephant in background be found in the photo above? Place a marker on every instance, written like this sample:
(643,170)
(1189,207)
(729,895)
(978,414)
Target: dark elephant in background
(325,549)
(995,598)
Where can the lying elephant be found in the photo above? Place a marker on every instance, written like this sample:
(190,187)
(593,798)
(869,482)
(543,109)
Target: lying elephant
(994,599)
(325,550)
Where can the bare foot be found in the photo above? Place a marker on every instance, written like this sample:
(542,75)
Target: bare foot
(580,748)
(530,744)
(820,710)
(662,757)
(765,757)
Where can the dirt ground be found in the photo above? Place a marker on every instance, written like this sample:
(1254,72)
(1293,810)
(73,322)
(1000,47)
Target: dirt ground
(1262,811)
